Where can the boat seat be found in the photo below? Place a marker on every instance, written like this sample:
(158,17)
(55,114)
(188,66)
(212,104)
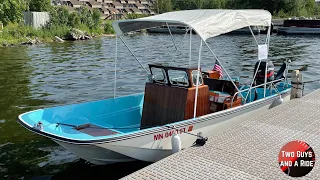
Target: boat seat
(94,130)
(223,86)
(281,72)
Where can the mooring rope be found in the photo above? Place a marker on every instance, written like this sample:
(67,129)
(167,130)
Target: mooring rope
(303,84)
(98,127)
(306,82)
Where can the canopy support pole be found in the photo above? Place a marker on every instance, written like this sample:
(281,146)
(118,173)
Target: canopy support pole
(175,53)
(133,54)
(268,37)
(254,77)
(268,43)
(190,46)
(222,67)
(254,37)
(115,69)
(171,36)
(265,81)
(197,85)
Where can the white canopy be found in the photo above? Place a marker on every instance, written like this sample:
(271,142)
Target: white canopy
(206,22)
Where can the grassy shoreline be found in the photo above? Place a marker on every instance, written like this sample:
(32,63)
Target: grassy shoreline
(23,41)
(15,34)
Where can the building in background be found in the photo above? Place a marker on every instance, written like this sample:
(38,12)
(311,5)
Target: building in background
(111,9)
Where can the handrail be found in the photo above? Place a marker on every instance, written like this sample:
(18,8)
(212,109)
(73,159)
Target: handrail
(249,89)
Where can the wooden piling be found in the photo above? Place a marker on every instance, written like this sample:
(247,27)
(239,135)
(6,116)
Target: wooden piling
(297,84)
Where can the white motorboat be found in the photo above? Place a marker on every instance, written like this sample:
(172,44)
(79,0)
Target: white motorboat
(180,106)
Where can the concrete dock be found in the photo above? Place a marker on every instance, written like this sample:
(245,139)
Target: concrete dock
(247,149)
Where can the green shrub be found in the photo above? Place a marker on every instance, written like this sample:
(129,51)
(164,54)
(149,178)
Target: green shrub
(135,16)
(108,29)
(74,19)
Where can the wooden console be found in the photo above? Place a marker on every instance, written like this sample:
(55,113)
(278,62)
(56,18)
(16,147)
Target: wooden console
(167,102)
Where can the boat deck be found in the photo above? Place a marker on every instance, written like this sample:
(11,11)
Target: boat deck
(248,149)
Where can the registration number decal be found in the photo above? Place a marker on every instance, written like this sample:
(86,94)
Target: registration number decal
(167,134)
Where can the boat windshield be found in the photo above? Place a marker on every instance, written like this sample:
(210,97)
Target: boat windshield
(194,77)
(178,77)
(159,75)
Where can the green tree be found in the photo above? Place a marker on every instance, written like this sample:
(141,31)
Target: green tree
(185,5)
(96,18)
(214,4)
(162,6)
(310,6)
(86,16)
(59,15)
(317,9)
(39,5)
(11,11)
(135,16)
(74,19)
(108,29)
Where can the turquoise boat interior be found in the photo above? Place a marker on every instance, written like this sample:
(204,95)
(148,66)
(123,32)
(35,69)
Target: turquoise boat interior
(168,99)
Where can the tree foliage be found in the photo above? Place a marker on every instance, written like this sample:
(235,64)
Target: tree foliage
(96,18)
(82,18)
(161,6)
(39,5)
(59,16)
(11,10)
(135,16)
(276,7)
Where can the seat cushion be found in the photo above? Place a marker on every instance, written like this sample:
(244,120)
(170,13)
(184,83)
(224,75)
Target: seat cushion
(217,96)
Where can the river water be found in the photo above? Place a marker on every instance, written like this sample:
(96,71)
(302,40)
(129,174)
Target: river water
(52,74)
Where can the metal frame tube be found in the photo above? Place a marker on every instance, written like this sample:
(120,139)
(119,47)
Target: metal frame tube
(174,55)
(222,66)
(287,71)
(253,36)
(269,29)
(265,80)
(115,68)
(202,41)
(190,53)
(197,85)
(255,74)
(267,41)
(268,37)
(133,54)
(171,36)
(256,87)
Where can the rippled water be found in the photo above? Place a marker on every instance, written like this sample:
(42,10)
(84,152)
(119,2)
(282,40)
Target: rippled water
(53,74)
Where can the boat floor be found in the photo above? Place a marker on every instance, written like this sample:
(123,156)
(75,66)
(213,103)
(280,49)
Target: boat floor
(94,130)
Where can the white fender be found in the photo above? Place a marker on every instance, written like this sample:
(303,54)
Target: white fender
(175,142)
(276,102)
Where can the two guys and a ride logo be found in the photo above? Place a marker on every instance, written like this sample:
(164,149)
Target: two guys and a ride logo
(296,159)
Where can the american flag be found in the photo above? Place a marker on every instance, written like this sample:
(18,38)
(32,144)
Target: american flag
(218,68)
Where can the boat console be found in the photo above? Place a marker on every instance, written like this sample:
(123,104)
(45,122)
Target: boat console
(170,95)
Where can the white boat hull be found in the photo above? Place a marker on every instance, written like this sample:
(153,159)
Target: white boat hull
(95,154)
(146,148)
(154,144)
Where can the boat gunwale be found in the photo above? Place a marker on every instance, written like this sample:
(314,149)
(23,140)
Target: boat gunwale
(148,131)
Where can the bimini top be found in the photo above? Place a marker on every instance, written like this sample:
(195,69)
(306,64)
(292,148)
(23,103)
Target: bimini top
(206,22)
